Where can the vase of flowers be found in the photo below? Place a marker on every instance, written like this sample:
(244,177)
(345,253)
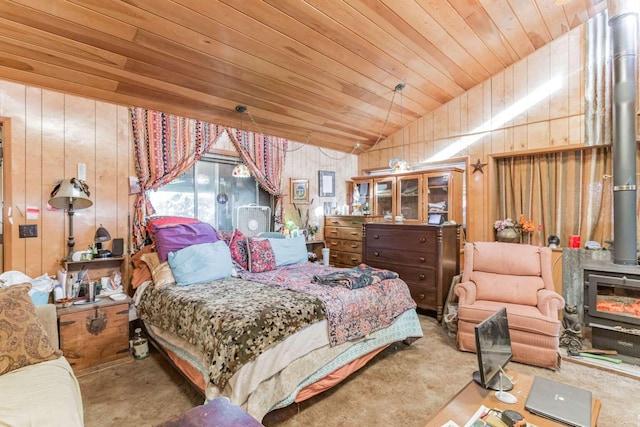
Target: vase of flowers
(506,231)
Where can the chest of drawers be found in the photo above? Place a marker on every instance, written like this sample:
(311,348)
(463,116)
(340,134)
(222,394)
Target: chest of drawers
(426,257)
(343,236)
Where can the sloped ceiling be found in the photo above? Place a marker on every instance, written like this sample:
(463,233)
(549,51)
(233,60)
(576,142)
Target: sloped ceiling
(321,71)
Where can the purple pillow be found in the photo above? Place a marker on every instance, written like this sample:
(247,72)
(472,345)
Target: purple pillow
(172,239)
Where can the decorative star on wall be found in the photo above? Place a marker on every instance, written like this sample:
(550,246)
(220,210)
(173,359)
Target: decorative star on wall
(478,166)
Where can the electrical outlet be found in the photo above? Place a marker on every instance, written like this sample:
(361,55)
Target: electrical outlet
(27,230)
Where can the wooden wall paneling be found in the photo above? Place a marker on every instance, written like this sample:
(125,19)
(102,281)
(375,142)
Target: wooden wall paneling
(54,221)
(14,105)
(520,138)
(464,114)
(497,101)
(440,122)
(80,147)
(575,80)
(453,120)
(559,132)
(576,130)
(509,144)
(498,138)
(520,90)
(33,179)
(508,96)
(559,69)
(538,77)
(105,194)
(538,135)
(126,168)
(7,180)
(475,113)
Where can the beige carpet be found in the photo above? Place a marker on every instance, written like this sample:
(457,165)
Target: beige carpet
(402,386)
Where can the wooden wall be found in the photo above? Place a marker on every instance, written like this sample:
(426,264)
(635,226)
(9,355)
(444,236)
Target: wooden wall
(46,135)
(535,104)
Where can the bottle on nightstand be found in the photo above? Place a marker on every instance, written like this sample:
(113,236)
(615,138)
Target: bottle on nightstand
(139,345)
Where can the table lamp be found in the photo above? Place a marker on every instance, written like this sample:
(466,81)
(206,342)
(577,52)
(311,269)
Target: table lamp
(101,236)
(70,194)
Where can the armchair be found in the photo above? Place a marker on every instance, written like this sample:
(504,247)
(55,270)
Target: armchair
(519,278)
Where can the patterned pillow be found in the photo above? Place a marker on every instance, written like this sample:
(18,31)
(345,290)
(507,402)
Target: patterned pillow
(23,340)
(238,248)
(261,255)
(225,235)
(160,271)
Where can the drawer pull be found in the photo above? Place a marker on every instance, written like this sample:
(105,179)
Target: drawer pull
(334,231)
(376,253)
(354,259)
(422,276)
(354,233)
(422,259)
(422,296)
(375,236)
(423,239)
(335,221)
(354,245)
(355,222)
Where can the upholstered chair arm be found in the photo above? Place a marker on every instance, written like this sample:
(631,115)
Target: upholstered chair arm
(466,292)
(549,302)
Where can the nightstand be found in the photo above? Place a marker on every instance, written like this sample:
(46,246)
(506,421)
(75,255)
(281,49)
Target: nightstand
(95,334)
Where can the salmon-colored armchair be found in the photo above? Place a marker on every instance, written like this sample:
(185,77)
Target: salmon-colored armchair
(519,278)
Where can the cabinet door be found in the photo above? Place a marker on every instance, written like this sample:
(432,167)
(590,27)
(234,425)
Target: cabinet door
(437,195)
(409,198)
(384,196)
(361,197)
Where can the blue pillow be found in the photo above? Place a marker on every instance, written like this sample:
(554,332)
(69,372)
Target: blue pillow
(289,251)
(201,263)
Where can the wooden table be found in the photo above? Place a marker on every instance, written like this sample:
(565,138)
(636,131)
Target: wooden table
(467,401)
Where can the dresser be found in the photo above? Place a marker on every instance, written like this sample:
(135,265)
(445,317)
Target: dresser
(343,237)
(426,257)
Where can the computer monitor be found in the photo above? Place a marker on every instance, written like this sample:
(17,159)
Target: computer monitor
(493,347)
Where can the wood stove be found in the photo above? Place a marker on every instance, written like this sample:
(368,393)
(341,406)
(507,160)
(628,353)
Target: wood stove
(612,306)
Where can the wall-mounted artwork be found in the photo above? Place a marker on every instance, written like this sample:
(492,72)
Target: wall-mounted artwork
(299,190)
(327,183)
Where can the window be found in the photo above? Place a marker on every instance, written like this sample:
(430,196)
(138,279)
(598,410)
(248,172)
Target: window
(209,192)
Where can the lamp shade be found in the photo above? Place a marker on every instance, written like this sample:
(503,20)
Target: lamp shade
(102,235)
(70,193)
(241,171)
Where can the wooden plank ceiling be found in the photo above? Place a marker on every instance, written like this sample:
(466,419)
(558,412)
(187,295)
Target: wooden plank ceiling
(322,71)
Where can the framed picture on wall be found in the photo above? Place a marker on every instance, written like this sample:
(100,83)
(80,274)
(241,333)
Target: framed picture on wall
(327,183)
(299,190)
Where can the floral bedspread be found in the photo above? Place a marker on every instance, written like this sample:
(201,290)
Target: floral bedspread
(351,313)
(231,321)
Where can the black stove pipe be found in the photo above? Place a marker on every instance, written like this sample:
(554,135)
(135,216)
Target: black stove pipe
(623,21)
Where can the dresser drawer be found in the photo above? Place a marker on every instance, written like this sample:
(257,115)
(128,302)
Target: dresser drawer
(424,296)
(419,240)
(354,246)
(343,233)
(344,259)
(344,221)
(393,256)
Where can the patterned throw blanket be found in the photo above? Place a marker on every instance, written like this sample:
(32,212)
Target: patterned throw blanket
(231,321)
(354,278)
(351,314)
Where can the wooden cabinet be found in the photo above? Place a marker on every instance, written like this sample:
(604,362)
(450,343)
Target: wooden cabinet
(95,334)
(426,257)
(443,195)
(436,194)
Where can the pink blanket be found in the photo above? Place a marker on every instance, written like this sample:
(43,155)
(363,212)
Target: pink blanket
(352,313)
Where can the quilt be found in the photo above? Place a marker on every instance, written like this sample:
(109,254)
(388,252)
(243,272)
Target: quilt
(351,313)
(231,321)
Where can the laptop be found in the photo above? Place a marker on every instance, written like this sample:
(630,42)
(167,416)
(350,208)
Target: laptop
(560,402)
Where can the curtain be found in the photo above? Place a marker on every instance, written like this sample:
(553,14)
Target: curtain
(264,156)
(564,193)
(165,146)
(598,81)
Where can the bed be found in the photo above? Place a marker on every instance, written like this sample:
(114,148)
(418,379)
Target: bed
(274,335)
